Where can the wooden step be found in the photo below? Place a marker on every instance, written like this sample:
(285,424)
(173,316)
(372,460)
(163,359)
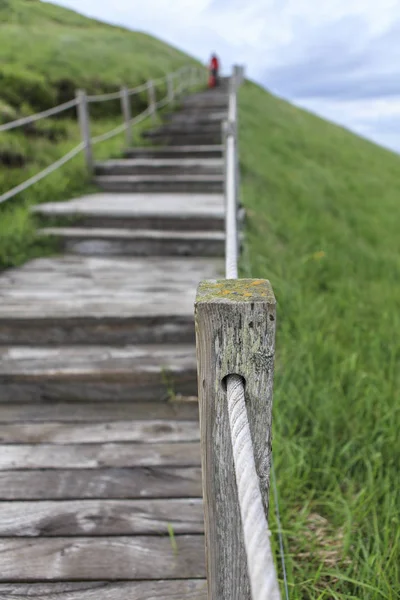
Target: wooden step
(184,127)
(101,517)
(177,212)
(196,117)
(182,409)
(127,242)
(190,152)
(201,184)
(96,373)
(187,139)
(94,558)
(93,300)
(99,483)
(188,589)
(161,166)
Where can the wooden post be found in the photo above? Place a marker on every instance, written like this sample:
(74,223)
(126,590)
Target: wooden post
(235,334)
(170,83)
(84,122)
(152,101)
(126,112)
(238,71)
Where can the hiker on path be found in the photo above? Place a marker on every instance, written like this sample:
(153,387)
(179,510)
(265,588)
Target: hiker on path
(214,71)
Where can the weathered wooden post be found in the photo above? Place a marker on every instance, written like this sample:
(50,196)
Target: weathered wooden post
(235,334)
(170,84)
(127,114)
(84,123)
(238,72)
(152,100)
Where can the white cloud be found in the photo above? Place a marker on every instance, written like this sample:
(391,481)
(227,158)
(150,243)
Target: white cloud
(342,53)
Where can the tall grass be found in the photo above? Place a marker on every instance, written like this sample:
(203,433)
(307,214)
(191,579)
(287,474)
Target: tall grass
(323,225)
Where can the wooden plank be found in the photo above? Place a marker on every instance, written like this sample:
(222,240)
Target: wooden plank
(95,373)
(130,558)
(101,517)
(189,589)
(148,432)
(98,456)
(149,482)
(184,410)
(235,331)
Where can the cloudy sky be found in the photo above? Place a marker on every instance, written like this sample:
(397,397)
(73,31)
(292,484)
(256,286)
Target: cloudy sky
(338,58)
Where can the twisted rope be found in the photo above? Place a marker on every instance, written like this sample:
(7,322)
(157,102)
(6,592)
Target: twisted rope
(41,115)
(256,532)
(26,184)
(260,562)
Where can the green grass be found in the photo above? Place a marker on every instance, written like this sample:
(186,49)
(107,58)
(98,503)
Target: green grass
(323,218)
(41,50)
(323,225)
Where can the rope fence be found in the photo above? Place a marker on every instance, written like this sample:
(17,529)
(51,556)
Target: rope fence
(235,339)
(41,115)
(82,102)
(260,563)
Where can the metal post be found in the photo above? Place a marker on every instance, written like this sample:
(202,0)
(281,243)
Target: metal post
(126,111)
(152,101)
(170,84)
(84,122)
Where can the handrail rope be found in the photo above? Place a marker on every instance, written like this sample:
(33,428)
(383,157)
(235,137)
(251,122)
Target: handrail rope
(138,89)
(71,103)
(41,115)
(75,151)
(120,128)
(35,178)
(260,563)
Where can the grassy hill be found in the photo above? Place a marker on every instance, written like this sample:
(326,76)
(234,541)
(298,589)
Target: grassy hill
(323,211)
(323,219)
(46,53)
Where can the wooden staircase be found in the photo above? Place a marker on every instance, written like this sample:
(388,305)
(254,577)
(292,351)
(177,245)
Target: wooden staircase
(100,494)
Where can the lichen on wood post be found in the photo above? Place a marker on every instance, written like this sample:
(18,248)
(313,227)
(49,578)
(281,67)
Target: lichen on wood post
(235,334)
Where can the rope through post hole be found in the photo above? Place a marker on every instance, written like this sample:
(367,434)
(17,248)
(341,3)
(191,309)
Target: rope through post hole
(256,533)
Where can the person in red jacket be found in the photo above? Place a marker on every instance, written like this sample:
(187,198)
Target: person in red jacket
(214,71)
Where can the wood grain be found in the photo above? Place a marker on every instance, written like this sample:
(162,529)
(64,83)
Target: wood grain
(96,412)
(235,331)
(160,431)
(149,482)
(130,558)
(101,517)
(189,589)
(95,456)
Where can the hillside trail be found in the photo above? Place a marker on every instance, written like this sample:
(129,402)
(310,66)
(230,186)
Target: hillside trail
(100,481)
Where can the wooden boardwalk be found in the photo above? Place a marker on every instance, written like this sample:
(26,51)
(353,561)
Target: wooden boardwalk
(100,480)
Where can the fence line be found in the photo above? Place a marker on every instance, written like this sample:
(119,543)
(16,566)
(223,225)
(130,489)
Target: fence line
(35,178)
(260,563)
(82,102)
(41,115)
(235,334)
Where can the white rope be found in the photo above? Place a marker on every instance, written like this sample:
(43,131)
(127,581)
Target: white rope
(256,533)
(26,184)
(117,130)
(41,115)
(109,134)
(163,102)
(138,89)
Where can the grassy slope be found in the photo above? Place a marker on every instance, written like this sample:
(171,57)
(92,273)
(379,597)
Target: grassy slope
(323,226)
(46,52)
